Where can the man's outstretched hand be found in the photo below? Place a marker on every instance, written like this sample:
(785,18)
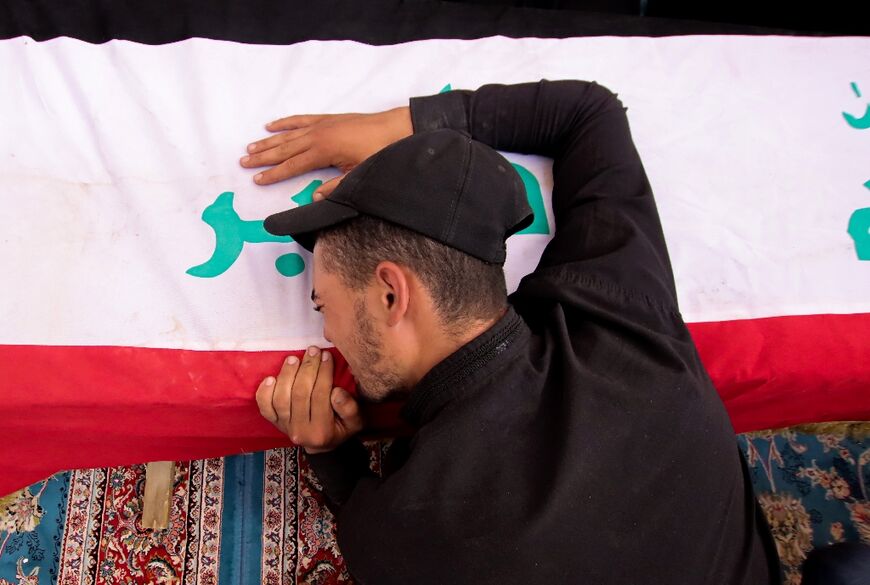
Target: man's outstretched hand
(308,142)
(304,405)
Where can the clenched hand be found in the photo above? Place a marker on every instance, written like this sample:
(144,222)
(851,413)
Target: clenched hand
(303,403)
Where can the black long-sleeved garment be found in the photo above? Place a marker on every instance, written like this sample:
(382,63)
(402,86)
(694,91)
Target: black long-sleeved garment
(579,440)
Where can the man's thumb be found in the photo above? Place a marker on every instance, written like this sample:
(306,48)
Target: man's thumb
(326,189)
(347,409)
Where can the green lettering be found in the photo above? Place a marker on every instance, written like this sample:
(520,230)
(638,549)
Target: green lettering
(861,123)
(859,229)
(536,202)
(232,233)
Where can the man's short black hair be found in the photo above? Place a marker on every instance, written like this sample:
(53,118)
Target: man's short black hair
(463,288)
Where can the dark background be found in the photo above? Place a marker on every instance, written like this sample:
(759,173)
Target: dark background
(832,17)
(382,22)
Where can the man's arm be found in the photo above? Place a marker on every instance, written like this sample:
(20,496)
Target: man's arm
(608,232)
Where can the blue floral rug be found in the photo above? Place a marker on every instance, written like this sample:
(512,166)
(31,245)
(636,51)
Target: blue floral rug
(813,487)
(260,518)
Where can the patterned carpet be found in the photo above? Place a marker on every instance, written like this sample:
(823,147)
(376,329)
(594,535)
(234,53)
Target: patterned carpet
(260,518)
(813,485)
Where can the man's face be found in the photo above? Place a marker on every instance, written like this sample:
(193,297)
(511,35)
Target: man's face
(350,326)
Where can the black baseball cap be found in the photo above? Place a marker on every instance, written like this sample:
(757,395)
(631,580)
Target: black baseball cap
(438,183)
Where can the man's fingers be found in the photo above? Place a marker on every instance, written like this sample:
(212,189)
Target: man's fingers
(277,154)
(281,398)
(303,387)
(327,188)
(273,141)
(321,408)
(293,122)
(299,164)
(347,409)
(264,399)
(303,403)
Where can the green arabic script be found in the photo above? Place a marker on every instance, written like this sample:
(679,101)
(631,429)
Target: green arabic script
(232,232)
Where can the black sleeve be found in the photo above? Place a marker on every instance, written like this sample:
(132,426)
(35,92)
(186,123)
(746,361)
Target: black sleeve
(608,235)
(339,470)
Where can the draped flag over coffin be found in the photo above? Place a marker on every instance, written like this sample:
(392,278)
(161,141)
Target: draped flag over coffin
(143,301)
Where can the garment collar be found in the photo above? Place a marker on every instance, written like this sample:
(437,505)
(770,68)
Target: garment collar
(446,380)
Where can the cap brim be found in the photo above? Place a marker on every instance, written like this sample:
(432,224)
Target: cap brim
(303,223)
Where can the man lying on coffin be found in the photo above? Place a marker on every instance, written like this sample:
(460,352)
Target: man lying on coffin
(567,433)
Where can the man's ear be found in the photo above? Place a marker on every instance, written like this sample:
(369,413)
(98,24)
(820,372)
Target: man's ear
(393,291)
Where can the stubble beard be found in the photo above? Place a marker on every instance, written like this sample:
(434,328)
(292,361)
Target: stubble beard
(377,378)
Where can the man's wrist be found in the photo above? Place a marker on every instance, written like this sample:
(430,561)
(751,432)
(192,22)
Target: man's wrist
(399,122)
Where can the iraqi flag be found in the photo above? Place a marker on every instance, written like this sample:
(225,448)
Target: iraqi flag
(143,302)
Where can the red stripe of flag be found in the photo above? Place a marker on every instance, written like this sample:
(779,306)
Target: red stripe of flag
(70,407)
(783,371)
